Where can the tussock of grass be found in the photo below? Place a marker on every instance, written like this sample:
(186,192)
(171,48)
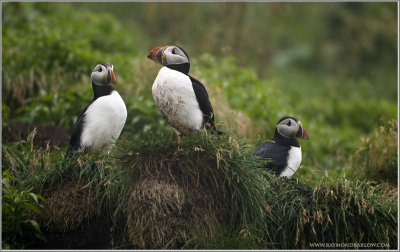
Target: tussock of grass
(72,186)
(297,215)
(73,189)
(192,193)
(206,192)
(178,190)
(332,211)
(68,206)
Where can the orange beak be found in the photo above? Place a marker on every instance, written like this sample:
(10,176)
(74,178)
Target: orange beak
(305,134)
(156,54)
(111,76)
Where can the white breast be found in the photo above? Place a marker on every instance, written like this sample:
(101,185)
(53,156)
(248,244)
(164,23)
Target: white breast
(104,120)
(175,98)
(294,161)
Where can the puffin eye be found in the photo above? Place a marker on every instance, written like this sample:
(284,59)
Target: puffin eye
(100,69)
(173,51)
(289,123)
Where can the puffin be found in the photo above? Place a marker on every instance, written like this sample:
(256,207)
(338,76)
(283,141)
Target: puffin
(100,123)
(182,100)
(284,150)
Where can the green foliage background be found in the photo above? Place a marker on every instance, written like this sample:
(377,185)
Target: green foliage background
(332,65)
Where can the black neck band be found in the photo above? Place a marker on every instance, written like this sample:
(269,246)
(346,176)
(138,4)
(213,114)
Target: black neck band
(183,68)
(286,141)
(101,90)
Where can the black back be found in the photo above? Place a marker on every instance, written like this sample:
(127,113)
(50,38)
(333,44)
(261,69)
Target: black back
(204,104)
(75,141)
(201,95)
(276,152)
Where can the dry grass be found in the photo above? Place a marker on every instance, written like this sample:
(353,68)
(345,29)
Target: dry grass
(23,158)
(162,213)
(334,211)
(68,206)
(179,192)
(144,72)
(236,121)
(21,87)
(205,192)
(376,157)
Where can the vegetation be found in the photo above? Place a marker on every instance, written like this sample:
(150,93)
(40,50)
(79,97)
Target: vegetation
(19,230)
(376,156)
(332,65)
(207,192)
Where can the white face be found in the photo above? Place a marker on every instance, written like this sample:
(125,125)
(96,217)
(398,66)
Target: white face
(174,55)
(288,128)
(103,75)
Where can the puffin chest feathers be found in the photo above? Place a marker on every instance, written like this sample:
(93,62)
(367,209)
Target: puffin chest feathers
(104,120)
(174,95)
(293,162)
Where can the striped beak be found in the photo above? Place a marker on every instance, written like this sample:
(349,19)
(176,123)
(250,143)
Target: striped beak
(157,54)
(111,76)
(302,133)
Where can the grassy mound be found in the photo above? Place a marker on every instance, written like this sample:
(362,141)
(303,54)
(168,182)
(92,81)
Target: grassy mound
(178,191)
(207,192)
(300,216)
(334,211)
(71,200)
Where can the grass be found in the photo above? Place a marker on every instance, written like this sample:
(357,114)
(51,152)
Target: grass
(335,210)
(207,192)
(376,156)
(19,229)
(200,184)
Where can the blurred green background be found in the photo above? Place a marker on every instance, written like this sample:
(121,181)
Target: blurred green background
(332,65)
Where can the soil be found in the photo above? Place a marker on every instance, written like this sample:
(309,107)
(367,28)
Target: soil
(97,234)
(17,131)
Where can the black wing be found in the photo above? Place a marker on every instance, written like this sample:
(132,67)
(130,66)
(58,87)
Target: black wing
(204,104)
(277,153)
(77,131)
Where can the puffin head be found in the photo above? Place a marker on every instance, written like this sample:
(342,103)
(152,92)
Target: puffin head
(290,127)
(172,56)
(103,74)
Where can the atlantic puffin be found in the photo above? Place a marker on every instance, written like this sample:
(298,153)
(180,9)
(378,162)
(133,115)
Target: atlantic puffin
(182,100)
(284,150)
(100,123)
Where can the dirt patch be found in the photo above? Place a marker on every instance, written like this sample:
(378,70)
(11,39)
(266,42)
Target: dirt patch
(95,234)
(17,131)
